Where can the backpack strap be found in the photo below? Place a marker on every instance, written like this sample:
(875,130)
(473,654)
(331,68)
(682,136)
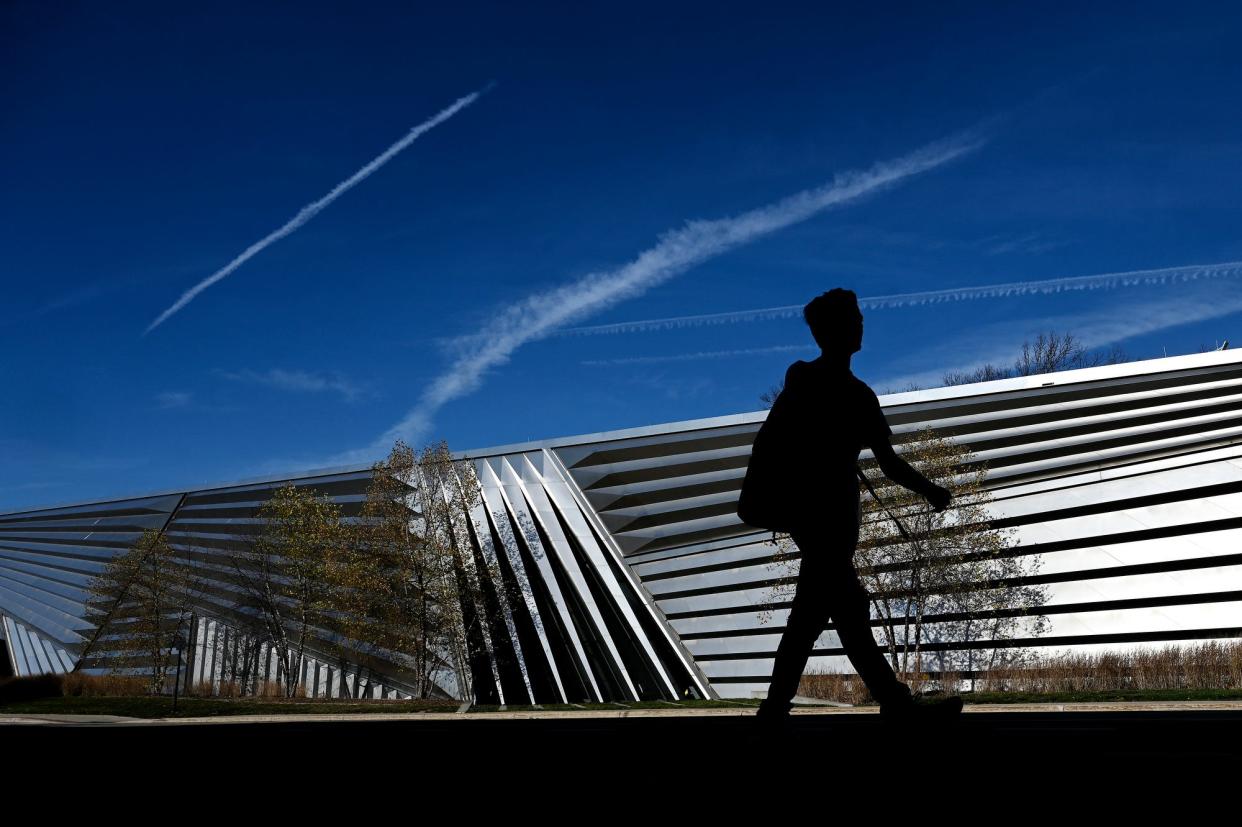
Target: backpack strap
(900,528)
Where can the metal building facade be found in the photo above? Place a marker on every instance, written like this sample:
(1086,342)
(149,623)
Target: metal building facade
(642,583)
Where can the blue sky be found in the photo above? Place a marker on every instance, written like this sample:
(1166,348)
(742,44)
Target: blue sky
(148,146)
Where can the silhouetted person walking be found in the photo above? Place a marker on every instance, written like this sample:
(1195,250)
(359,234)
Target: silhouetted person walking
(802,478)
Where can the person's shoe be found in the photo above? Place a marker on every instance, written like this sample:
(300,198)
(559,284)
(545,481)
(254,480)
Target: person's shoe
(772,720)
(945,710)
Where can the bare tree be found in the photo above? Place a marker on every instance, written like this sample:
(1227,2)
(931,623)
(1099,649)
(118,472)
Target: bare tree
(1049,353)
(907,388)
(768,397)
(986,373)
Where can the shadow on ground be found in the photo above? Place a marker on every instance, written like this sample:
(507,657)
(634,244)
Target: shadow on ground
(725,744)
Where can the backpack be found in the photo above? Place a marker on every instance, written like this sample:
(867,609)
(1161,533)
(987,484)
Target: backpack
(772,497)
(764,501)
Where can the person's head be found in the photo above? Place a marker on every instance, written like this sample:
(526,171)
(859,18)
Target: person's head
(835,321)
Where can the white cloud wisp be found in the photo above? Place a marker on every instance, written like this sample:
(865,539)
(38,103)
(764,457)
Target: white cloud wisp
(297,381)
(315,207)
(170,400)
(540,314)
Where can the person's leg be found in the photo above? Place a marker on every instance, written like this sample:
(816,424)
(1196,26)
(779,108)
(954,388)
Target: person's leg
(806,620)
(850,609)
(849,606)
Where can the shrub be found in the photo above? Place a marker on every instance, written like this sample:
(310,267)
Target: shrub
(31,688)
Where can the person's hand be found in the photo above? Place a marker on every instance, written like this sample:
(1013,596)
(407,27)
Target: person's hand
(939,497)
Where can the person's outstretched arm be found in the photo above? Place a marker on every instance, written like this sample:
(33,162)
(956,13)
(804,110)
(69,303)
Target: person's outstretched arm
(902,473)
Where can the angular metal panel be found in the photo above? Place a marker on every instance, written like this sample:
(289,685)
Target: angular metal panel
(31,653)
(524,514)
(557,488)
(498,503)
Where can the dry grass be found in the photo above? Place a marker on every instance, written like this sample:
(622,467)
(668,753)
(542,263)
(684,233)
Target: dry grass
(1211,665)
(233,689)
(78,684)
(846,688)
(834,686)
(275,689)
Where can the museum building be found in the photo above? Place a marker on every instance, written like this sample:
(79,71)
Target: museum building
(628,575)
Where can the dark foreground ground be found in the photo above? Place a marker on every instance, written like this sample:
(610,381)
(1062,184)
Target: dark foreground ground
(712,746)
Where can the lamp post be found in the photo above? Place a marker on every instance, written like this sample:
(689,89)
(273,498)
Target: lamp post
(178,643)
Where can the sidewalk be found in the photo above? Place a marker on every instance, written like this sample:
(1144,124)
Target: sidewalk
(25,719)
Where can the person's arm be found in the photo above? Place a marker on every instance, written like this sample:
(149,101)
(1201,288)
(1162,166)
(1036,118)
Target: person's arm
(878,437)
(902,473)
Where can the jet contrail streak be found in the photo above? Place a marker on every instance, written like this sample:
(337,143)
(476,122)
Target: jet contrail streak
(1104,281)
(315,207)
(540,314)
(1102,326)
(702,354)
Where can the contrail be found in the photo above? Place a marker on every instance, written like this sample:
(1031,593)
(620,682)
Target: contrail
(540,314)
(1104,281)
(994,343)
(702,354)
(315,207)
